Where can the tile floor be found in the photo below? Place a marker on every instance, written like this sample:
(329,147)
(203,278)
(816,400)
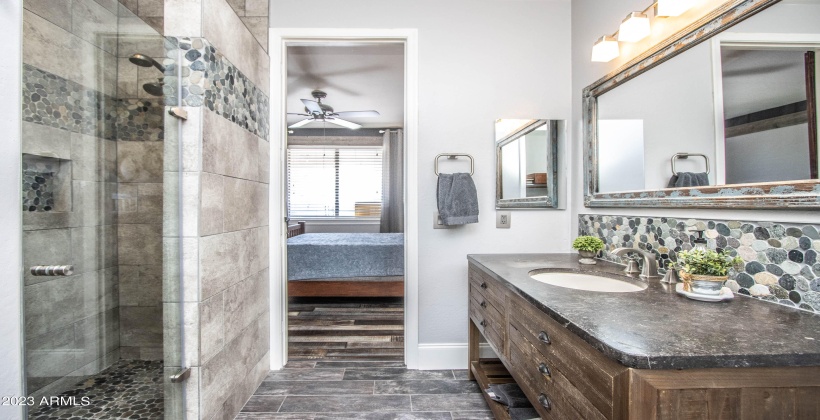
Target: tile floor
(378,390)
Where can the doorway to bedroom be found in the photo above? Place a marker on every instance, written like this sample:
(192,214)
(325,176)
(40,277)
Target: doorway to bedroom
(344,195)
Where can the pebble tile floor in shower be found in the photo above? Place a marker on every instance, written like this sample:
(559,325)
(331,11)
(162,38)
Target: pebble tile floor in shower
(314,390)
(129,389)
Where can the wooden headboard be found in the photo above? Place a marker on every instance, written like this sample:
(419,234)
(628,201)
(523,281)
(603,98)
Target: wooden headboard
(296,230)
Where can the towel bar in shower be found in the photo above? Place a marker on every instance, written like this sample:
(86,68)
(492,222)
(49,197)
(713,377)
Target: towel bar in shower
(455,156)
(677,156)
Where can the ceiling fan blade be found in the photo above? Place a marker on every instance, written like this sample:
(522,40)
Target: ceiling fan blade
(296,113)
(301,123)
(312,106)
(343,123)
(358,114)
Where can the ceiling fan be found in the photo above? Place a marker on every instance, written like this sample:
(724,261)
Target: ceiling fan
(317,111)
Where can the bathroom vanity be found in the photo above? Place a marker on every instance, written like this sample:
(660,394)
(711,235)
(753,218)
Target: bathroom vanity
(647,354)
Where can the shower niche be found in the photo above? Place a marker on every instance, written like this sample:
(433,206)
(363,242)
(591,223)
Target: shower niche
(46,184)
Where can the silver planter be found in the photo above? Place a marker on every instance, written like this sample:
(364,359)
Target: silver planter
(587,257)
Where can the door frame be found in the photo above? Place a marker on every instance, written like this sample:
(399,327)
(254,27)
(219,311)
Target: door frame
(279,39)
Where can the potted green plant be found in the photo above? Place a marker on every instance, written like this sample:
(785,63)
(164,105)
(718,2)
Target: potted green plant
(588,247)
(704,271)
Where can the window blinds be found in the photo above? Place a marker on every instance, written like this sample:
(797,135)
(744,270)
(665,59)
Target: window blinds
(340,182)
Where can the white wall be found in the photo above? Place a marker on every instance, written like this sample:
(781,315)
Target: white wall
(11,363)
(335,226)
(590,20)
(479,60)
(781,154)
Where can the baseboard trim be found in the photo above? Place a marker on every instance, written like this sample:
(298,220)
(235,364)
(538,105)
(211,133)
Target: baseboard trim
(448,355)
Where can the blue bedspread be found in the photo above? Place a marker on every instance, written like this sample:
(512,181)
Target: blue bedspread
(335,255)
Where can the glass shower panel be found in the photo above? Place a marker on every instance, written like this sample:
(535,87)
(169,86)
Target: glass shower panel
(97,212)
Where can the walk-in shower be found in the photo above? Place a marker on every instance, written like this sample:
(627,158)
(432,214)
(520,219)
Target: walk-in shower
(100,195)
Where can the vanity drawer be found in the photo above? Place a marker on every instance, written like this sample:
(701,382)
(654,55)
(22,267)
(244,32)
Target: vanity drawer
(600,379)
(546,381)
(488,320)
(490,288)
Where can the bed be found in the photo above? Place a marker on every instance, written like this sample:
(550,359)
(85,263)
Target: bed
(346,264)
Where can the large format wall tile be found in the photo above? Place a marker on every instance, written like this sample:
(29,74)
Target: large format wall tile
(223,28)
(141,326)
(212,326)
(139,244)
(94,23)
(227,258)
(246,204)
(140,161)
(212,204)
(227,149)
(244,302)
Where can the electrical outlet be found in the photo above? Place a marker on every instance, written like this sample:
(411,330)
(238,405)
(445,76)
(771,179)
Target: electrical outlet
(437,222)
(502,219)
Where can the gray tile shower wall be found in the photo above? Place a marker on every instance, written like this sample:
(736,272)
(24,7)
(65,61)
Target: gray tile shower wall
(780,256)
(223,86)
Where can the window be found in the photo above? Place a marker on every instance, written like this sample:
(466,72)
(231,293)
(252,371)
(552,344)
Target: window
(343,182)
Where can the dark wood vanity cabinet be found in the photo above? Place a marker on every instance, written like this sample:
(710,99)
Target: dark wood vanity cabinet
(566,378)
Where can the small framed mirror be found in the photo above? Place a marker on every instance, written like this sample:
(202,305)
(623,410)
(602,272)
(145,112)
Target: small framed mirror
(526,159)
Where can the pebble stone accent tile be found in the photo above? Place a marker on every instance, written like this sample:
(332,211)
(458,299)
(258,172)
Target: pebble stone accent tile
(780,257)
(140,120)
(209,79)
(51,100)
(130,389)
(38,186)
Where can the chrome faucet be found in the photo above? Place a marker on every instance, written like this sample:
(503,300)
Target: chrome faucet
(650,264)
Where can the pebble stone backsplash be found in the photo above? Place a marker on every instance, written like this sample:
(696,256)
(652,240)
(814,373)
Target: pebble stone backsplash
(210,80)
(780,260)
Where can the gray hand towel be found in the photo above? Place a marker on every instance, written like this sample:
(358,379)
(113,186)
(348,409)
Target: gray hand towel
(688,179)
(457,199)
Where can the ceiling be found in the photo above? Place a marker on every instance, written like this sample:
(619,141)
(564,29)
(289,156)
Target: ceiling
(755,80)
(355,78)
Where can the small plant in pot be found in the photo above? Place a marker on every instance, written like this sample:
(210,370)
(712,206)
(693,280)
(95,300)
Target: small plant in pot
(704,271)
(588,247)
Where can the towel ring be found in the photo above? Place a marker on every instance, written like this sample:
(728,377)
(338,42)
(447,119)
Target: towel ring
(455,156)
(677,156)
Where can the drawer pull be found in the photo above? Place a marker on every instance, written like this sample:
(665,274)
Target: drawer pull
(544,337)
(483,323)
(544,369)
(545,402)
(483,285)
(483,304)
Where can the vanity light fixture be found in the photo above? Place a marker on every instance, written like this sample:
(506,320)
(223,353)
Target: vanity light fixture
(670,8)
(634,27)
(605,49)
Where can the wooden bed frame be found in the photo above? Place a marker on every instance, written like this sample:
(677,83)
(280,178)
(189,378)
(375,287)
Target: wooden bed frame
(390,286)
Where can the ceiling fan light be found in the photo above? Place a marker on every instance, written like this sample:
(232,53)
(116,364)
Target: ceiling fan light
(634,28)
(670,8)
(605,49)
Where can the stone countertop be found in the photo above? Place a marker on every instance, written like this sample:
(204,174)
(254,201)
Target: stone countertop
(657,328)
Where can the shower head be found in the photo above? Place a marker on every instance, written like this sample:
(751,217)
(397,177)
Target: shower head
(154,88)
(143,60)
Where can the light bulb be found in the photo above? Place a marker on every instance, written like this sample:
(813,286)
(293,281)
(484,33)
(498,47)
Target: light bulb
(672,7)
(605,49)
(634,28)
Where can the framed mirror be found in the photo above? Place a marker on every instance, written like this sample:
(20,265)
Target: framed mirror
(526,163)
(722,114)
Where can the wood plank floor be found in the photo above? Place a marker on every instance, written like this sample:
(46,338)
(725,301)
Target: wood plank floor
(346,329)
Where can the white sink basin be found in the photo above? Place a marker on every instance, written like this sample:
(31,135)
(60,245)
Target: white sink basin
(588,282)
